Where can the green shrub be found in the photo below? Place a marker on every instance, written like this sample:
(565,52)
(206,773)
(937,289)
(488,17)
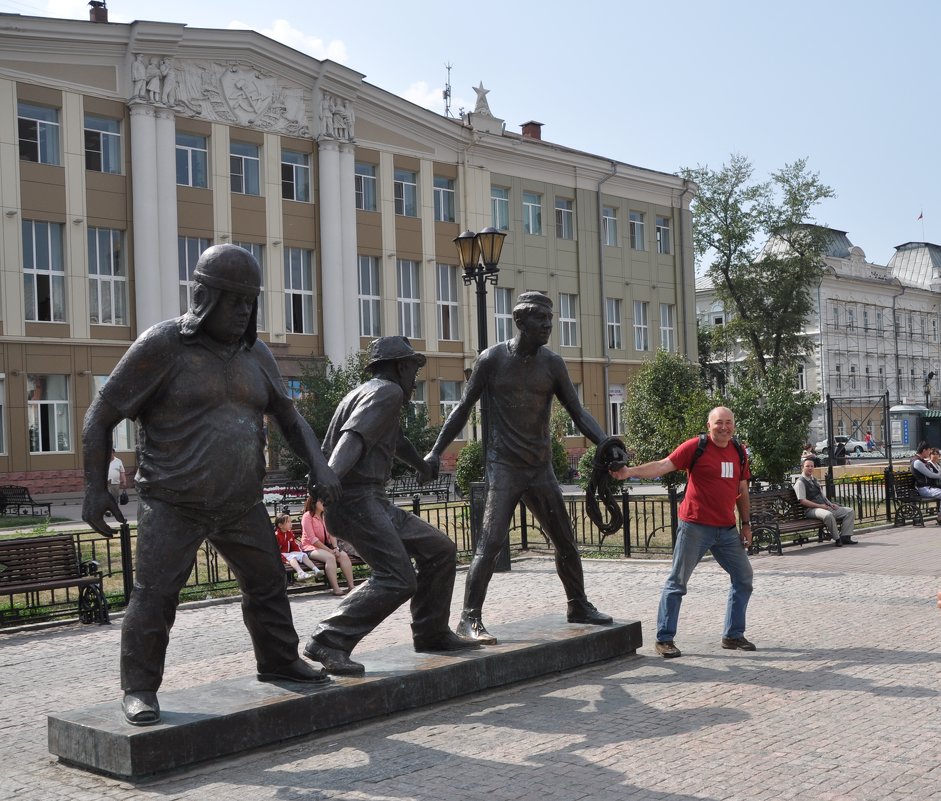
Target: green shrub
(469,466)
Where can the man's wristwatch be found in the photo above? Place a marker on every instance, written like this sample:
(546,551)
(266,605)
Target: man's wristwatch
(745,522)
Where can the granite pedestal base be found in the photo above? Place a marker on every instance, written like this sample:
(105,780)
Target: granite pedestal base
(231,716)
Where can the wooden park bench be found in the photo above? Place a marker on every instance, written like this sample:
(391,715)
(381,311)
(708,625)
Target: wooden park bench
(776,514)
(355,559)
(16,500)
(906,501)
(407,486)
(35,564)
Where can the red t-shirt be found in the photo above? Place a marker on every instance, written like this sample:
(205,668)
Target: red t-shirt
(712,490)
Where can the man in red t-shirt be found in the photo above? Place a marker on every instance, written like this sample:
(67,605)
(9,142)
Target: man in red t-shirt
(717,484)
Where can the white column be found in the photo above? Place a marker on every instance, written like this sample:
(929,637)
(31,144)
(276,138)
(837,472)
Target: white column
(349,266)
(167,227)
(144,197)
(332,326)
(75,232)
(11,223)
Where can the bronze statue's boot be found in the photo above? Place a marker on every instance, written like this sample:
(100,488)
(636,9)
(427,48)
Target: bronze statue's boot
(471,627)
(581,610)
(141,707)
(298,670)
(334,660)
(445,641)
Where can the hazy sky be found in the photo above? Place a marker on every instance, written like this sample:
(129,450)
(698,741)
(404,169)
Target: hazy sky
(848,84)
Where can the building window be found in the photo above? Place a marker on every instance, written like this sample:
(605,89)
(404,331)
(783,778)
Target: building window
(295,176)
(616,407)
(801,378)
(258,251)
(836,317)
(609,225)
(865,319)
(419,399)
(500,207)
(107,277)
(43,272)
(568,319)
(102,144)
(934,330)
(637,231)
(850,319)
(244,169)
(838,372)
(192,160)
(448,306)
(613,322)
(532,213)
(369,296)
(641,336)
(47,397)
(189,249)
(364,179)
(878,321)
(503,313)
(852,376)
(298,291)
(408,298)
(405,193)
(444,199)
(564,218)
(663,235)
(38,128)
(123,438)
(450,396)
(668,327)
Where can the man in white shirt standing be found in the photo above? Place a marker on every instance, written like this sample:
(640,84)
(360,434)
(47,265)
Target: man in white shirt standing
(117,480)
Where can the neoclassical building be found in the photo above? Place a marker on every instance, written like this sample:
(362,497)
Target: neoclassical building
(126,150)
(874,329)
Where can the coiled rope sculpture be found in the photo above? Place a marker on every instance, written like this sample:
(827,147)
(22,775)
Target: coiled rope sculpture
(609,455)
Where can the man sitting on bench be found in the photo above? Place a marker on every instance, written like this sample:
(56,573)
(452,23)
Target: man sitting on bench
(927,476)
(816,504)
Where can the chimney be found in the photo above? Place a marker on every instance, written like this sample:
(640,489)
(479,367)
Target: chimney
(532,130)
(98,11)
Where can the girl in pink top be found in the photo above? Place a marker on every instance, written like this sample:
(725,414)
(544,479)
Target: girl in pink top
(317,543)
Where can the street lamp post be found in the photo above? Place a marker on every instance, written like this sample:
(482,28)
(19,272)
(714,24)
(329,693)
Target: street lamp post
(479,255)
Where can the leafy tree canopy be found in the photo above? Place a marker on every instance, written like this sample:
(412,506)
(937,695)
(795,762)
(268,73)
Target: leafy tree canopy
(762,251)
(773,419)
(666,404)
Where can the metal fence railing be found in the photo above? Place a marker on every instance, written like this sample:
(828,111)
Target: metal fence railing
(649,529)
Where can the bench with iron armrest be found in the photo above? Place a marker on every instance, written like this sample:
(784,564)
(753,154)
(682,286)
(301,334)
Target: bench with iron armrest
(16,500)
(776,514)
(407,486)
(906,501)
(35,564)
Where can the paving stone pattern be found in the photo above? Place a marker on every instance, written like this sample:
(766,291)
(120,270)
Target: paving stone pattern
(842,701)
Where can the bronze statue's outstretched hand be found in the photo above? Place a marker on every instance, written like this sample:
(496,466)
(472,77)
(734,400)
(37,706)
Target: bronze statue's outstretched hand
(434,462)
(425,472)
(95,505)
(325,485)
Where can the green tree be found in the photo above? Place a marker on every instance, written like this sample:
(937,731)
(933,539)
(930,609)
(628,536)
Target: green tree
(762,251)
(773,418)
(323,385)
(666,404)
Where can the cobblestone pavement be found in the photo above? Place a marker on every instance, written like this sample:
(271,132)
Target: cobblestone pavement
(841,702)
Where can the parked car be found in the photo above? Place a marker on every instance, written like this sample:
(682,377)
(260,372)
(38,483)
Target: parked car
(852,445)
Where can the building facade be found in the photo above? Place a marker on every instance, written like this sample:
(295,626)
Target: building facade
(126,150)
(874,330)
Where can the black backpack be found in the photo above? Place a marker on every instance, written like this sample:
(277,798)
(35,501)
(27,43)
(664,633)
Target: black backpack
(703,439)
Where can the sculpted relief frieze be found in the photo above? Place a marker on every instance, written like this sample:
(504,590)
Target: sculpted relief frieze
(230,93)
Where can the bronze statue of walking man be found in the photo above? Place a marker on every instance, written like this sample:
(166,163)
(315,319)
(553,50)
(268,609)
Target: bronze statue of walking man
(520,378)
(200,386)
(363,438)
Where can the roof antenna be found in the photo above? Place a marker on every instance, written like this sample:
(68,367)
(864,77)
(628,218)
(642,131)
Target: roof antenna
(446,92)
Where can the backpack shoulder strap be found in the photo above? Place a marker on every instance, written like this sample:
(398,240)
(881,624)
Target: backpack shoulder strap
(700,447)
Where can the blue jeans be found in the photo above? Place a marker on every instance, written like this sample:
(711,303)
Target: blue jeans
(692,542)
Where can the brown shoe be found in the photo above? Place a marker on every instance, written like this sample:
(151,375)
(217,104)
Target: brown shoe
(668,650)
(333,660)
